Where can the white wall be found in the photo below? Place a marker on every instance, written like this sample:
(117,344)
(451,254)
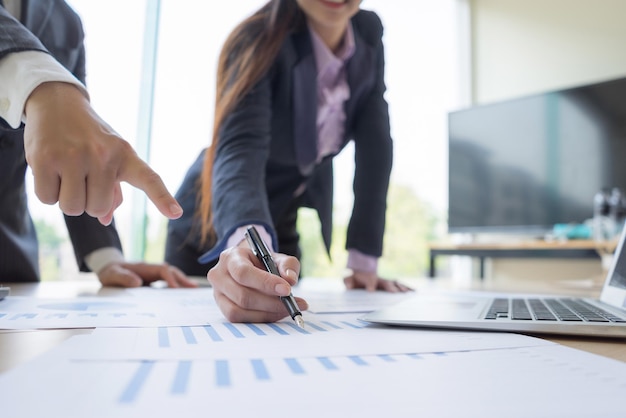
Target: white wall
(522,47)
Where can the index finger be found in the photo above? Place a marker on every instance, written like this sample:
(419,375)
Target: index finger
(137,173)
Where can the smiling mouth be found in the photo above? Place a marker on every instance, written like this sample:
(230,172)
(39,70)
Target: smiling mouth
(335,1)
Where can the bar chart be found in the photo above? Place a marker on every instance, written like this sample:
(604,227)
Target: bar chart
(172,337)
(182,378)
(328,334)
(26,313)
(398,385)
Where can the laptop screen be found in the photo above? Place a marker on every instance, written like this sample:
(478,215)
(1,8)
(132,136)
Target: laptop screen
(618,277)
(614,290)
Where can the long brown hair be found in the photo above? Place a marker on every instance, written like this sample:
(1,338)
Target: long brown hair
(246,56)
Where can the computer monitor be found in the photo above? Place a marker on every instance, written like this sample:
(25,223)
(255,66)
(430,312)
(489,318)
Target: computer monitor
(526,164)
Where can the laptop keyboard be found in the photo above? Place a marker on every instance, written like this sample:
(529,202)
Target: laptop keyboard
(549,310)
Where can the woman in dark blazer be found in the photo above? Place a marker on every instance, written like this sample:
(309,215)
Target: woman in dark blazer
(275,116)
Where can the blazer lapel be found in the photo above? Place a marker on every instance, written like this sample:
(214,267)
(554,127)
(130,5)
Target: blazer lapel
(36,14)
(305,104)
(360,69)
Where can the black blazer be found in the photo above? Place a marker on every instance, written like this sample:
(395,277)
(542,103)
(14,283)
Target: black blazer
(267,148)
(58,29)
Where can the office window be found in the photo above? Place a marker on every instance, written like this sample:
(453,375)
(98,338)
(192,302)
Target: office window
(422,76)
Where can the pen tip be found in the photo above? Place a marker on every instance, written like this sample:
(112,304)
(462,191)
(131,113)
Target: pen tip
(299,321)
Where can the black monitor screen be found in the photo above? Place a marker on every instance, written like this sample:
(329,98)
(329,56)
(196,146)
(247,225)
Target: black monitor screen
(526,164)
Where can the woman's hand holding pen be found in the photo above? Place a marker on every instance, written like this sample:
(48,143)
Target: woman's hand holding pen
(245,292)
(371,282)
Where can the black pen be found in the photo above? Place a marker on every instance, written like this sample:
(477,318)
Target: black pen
(263,254)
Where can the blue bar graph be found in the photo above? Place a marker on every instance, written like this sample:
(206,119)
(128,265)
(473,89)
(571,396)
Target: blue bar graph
(297,328)
(330,324)
(294,366)
(257,330)
(315,327)
(226,373)
(131,391)
(87,306)
(358,360)
(189,337)
(212,333)
(232,328)
(24,316)
(171,338)
(51,316)
(278,329)
(327,363)
(176,378)
(181,379)
(164,338)
(351,325)
(260,371)
(222,373)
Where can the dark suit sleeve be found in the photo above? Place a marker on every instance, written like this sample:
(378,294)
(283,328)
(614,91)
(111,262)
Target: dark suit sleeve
(239,190)
(88,234)
(373,160)
(14,37)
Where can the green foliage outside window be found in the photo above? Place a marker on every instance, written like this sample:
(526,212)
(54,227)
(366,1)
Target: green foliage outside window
(410,224)
(50,242)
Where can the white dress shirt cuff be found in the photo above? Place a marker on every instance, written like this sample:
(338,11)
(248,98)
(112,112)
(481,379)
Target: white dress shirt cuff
(99,259)
(21,73)
(357,261)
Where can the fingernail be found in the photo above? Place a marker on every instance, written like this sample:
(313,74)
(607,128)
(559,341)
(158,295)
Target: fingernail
(282,289)
(292,274)
(176,209)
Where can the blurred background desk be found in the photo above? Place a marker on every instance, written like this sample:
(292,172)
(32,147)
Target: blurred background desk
(572,249)
(17,347)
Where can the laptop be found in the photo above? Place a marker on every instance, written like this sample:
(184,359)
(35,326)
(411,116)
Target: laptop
(524,313)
